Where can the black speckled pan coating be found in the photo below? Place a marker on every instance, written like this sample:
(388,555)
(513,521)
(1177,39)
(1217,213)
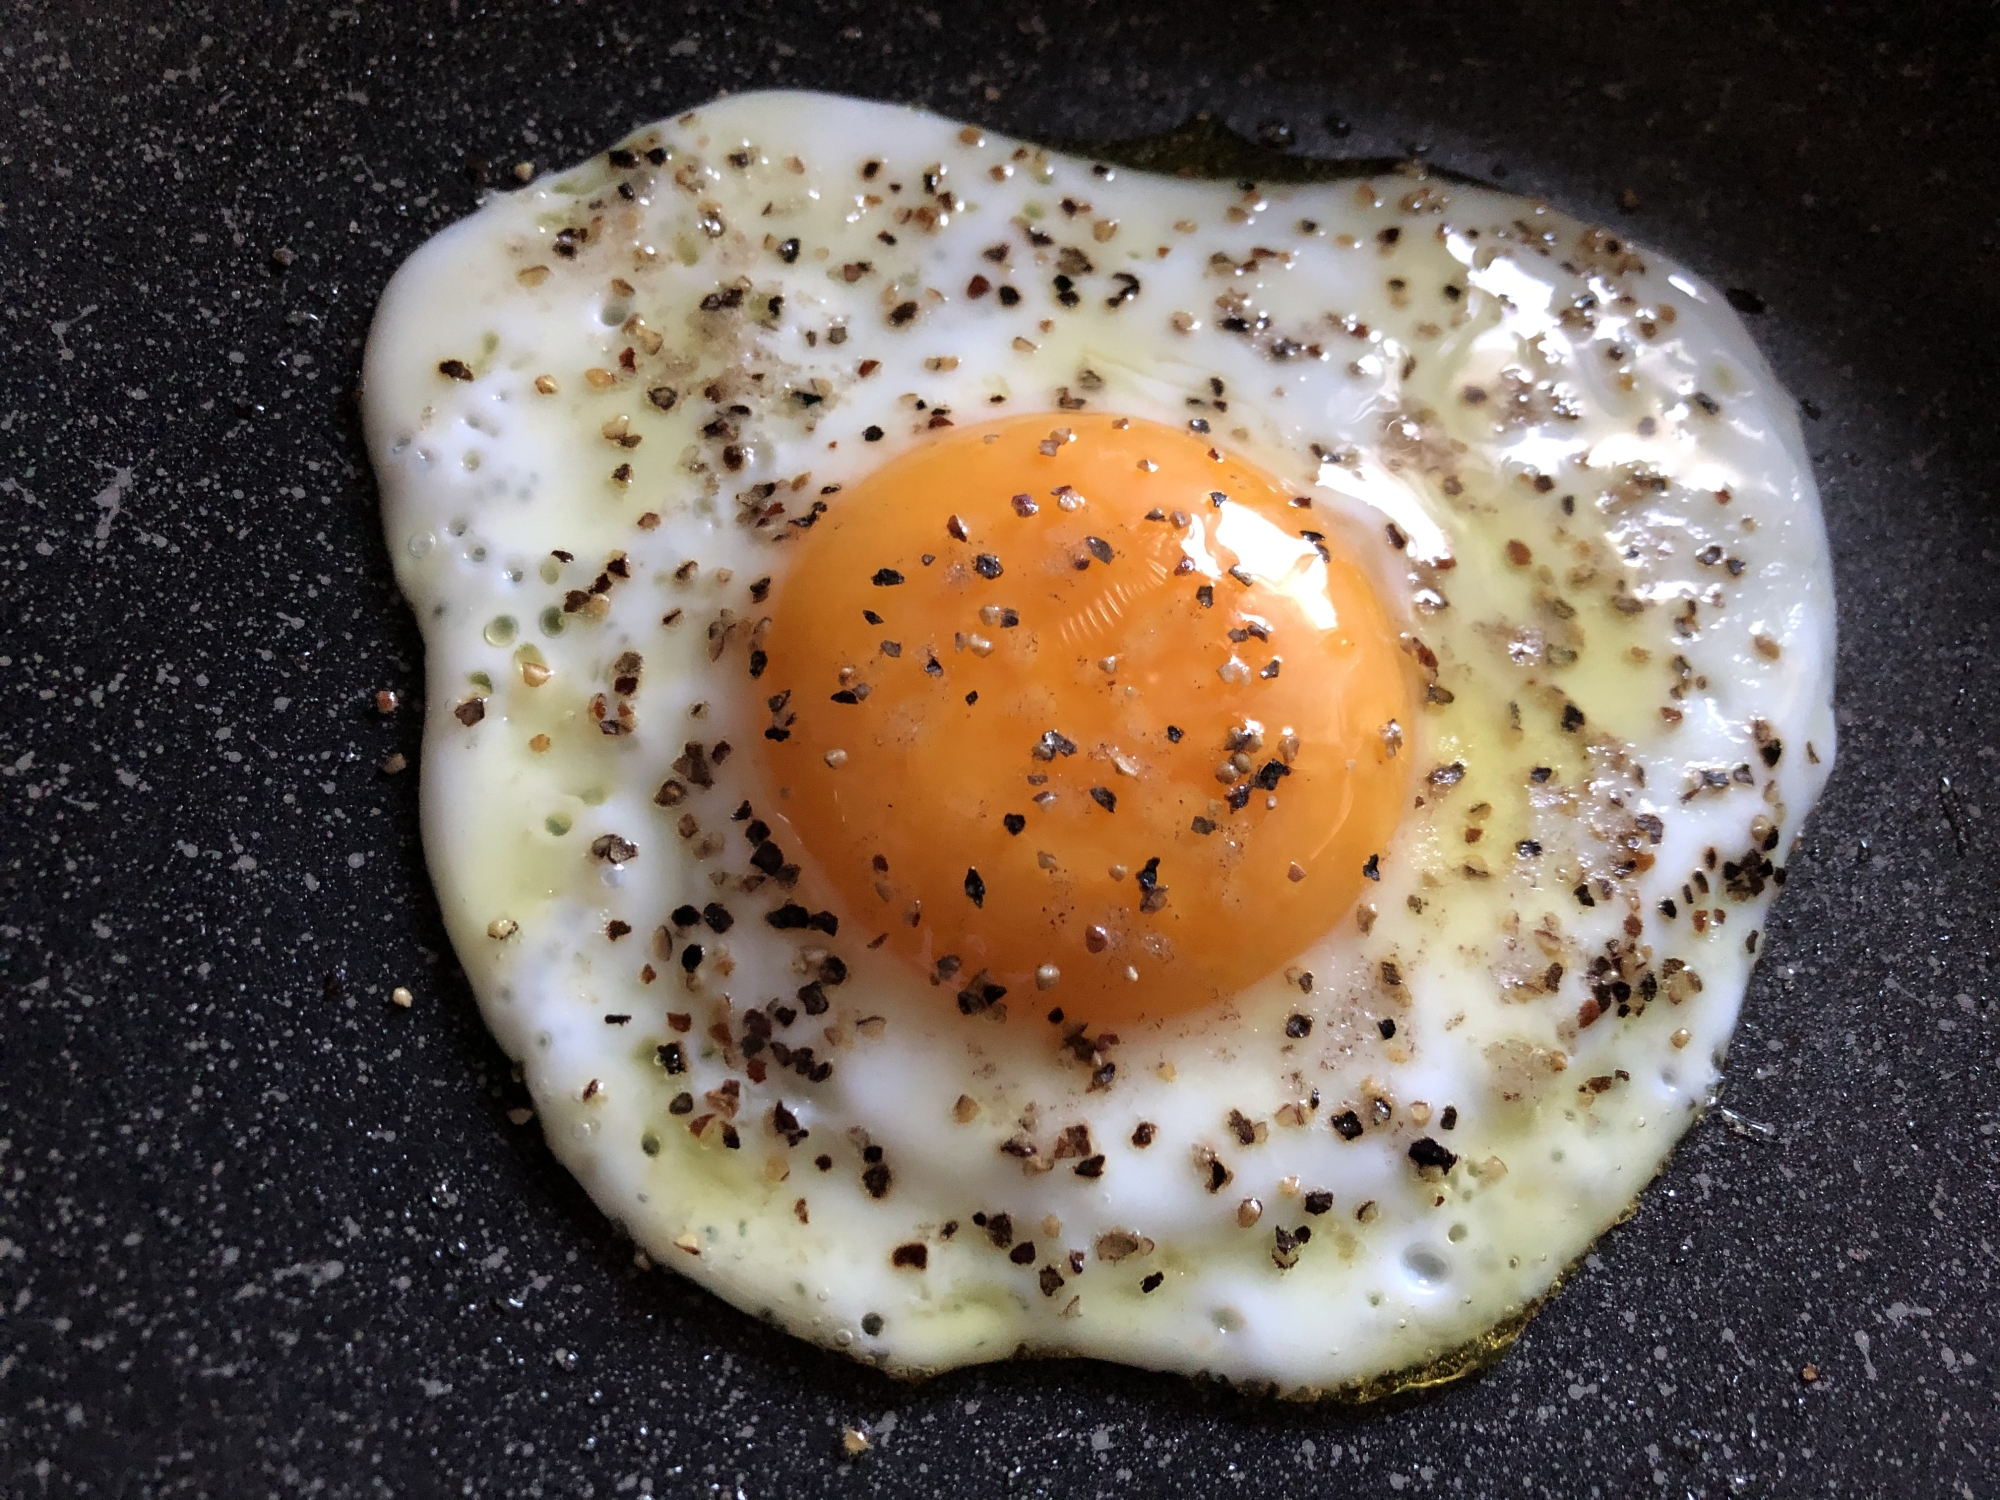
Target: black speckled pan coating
(264,1232)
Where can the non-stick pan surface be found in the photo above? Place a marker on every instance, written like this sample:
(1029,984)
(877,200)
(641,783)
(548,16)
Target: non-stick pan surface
(262,1232)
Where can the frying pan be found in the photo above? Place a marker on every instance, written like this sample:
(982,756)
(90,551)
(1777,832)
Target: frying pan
(263,1231)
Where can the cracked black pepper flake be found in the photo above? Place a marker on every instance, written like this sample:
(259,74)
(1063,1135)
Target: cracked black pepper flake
(1023,1254)
(1298,1026)
(1572,719)
(613,849)
(980,995)
(1347,1125)
(1014,822)
(1105,798)
(876,1179)
(786,1124)
(911,1257)
(718,917)
(1051,1281)
(1449,1119)
(1152,1281)
(986,565)
(1288,1241)
(975,888)
(871,434)
(1372,867)
(669,1056)
(885,578)
(1428,1154)
(1098,548)
(1319,1201)
(454,369)
(1387,1026)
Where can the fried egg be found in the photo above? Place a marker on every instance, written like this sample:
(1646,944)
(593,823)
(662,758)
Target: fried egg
(1031,757)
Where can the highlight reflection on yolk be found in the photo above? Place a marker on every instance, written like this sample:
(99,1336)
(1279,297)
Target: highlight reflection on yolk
(1095,722)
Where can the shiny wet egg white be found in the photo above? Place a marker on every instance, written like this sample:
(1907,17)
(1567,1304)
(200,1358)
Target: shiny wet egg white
(1031,756)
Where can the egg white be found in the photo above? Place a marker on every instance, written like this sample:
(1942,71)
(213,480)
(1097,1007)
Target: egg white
(1555,359)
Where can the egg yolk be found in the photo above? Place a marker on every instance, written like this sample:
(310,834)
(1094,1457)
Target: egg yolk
(1084,713)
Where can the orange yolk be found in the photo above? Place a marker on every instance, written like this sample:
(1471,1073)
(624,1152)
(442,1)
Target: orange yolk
(1091,718)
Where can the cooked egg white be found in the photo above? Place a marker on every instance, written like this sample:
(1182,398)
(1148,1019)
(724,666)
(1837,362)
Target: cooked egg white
(1467,786)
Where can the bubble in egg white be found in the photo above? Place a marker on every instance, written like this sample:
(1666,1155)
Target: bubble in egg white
(1426,1266)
